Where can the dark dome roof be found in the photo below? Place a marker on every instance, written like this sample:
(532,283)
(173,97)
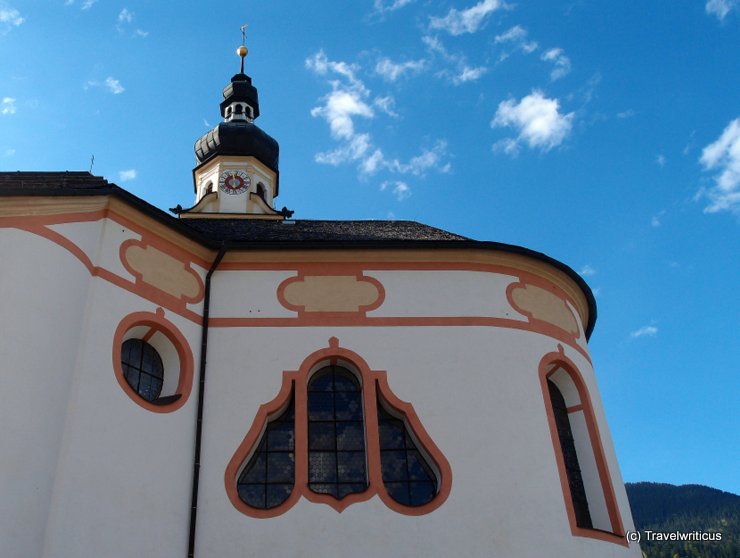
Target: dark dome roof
(238,137)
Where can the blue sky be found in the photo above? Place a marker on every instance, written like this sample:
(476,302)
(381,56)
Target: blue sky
(604,134)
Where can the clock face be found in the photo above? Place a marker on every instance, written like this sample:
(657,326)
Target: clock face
(234,182)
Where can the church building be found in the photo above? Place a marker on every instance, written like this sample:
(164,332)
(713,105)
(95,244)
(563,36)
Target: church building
(231,381)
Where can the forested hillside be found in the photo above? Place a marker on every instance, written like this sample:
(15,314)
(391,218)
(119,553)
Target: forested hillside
(665,508)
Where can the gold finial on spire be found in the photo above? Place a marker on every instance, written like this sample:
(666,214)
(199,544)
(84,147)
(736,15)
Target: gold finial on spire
(242,51)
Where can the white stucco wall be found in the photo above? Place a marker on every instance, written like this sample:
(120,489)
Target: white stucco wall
(88,472)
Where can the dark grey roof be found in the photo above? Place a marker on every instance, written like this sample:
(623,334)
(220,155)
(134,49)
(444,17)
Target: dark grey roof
(61,183)
(246,230)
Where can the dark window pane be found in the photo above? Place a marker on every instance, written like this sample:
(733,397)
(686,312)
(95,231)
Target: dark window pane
(255,471)
(324,488)
(399,491)
(391,435)
(321,436)
(350,436)
(351,466)
(320,406)
(252,494)
(336,433)
(280,436)
(421,493)
(407,476)
(268,478)
(142,368)
(345,381)
(348,405)
(280,467)
(277,494)
(321,381)
(347,489)
(132,352)
(570,457)
(418,468)
(322,467)
(393,465)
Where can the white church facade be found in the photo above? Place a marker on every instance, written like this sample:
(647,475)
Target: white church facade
(234,382)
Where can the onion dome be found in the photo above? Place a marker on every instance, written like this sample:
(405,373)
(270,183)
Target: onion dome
(237,135)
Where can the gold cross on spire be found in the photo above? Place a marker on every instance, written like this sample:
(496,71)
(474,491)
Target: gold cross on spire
(243,50)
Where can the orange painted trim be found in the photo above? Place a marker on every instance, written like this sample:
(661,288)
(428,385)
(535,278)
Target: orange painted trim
(144,290)
(345,270)
(317,319)
(153,242)
(549,364)
(157,323)
(304,319)
(550,287)
(575,408)
(296,382)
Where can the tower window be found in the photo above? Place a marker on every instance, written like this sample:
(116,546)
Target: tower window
(142,368)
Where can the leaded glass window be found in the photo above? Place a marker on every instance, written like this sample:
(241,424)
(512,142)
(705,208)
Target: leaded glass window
(337,464)
(407,476)
(142,368)
(570,457)
(268,479)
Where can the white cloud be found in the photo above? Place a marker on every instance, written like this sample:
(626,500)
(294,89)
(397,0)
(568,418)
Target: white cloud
(459,71)
(110,83)
(114,86)
(339,109)
(560,60)
(655,220)
(536,118)
(515,34)
(469,74)
(400,189)
(457,22)
(723,156)
(382,7)
(126,175)
(391,71)
(629,113)
(9,152)
(125,16)
(429,159)
(7,106)
(87,4)
(660,160)
(9,18)
(508,146)
(124,22)
(345,107)
(644,331)
(386,104)
(587,271)
(720,8)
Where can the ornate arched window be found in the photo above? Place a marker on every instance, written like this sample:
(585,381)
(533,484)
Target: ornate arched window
(343,438)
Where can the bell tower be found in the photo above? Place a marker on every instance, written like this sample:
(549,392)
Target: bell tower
(236,173)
